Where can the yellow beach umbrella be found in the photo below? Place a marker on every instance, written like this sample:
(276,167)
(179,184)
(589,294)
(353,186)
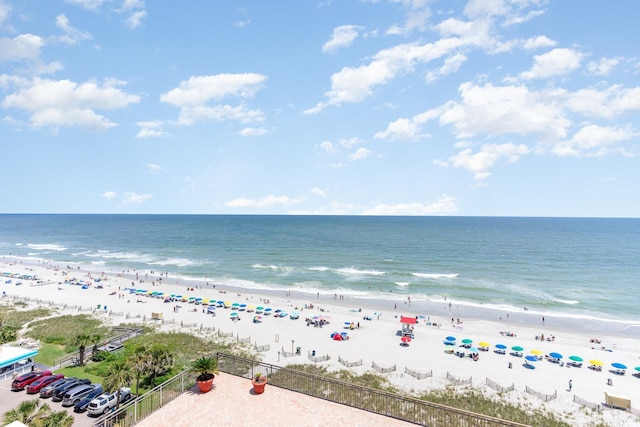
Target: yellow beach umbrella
(484,344)
(596,362)
(536,352)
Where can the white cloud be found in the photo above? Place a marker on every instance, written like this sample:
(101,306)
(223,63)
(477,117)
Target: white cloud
(5,11)
(193,95)
(497,110)
(87,4)
(153,168)
(24,46)
(417,16)
(557,62)
(327,147)
(318,192)
(131,198)
(538,42)
(604,66)
(65,103)
(341,37)
(446,205)
(481,162)
(594,141)
(607,103)
(265,202)
(253,131)
(134,20)
(451,65)
(109,195)
(72,35)
(151,129)
(361,154)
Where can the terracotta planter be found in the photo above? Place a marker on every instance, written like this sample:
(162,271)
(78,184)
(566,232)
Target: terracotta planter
(205,386)
(258,387)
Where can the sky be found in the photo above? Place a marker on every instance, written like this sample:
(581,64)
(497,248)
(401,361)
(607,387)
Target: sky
(327,107)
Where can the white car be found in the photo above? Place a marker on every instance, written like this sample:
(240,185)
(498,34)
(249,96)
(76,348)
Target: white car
(107,401)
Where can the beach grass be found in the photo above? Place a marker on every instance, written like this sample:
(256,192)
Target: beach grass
(9,316)
(64,330)
(79,372)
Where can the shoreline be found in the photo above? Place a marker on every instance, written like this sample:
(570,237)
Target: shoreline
(601,323)
(376,341)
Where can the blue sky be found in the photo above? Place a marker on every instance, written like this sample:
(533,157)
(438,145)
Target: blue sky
(348,107)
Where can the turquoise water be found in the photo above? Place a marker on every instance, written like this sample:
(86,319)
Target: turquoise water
(578,269)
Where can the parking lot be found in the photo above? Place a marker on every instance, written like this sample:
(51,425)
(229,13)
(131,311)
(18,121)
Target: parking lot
(11,399)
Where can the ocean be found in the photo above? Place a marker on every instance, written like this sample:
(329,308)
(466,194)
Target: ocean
(584,272)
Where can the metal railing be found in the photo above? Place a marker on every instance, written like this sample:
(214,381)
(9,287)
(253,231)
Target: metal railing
(141,407)
(376,401)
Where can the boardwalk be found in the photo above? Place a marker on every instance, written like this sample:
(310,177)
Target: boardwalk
(231,402)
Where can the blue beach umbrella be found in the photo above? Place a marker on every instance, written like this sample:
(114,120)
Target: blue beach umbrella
(619,365)
(555,355)
(449,342)
(501,346)
(450,338)
(531,358)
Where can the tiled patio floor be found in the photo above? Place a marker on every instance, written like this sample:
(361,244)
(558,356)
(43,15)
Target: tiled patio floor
(232,402)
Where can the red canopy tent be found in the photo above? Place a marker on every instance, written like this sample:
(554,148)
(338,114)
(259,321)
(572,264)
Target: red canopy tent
(408,320)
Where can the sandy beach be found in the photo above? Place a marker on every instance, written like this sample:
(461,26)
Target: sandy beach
(373,333)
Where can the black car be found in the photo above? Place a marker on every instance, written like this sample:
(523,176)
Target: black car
(84,403)
(59,392)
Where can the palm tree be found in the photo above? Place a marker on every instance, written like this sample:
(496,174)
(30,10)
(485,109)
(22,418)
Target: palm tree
(56,419)
(81,341)
(27,412)
(95,340)
(161,360)
(140,362)
(120,375)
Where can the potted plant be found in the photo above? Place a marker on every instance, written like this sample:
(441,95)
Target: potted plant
(259,381)
(206,367)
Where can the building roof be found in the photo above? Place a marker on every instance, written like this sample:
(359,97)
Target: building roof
(232,402)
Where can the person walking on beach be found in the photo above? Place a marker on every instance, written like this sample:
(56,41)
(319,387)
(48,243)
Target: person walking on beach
(570,385)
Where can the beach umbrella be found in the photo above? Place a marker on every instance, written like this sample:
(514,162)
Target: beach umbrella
(473,350)
(619,365)
(257,319)
(235,305)
(536,352)
(405,340)
(501,346)
(234,314)
(251,308)
(531,358)
(575,358)
(517,348)
(267,310)
(596,362)
(450,338)
(637,368)
(467,341)
(484,344)
(259,308)
(243,306)
(555,355)
(449,342)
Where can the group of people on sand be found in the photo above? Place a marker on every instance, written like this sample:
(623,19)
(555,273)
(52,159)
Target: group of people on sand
(541,338)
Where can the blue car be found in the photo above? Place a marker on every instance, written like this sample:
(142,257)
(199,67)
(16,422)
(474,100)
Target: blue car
(84,403)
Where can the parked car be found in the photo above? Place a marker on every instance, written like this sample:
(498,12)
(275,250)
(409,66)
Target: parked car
(76,394)
(59,392)
(83,404)
(24,380)
(41,382)
(51,388)
(106,401)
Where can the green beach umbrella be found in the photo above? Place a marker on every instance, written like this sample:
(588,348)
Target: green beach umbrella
(467,341)
(517,348)
(575,358)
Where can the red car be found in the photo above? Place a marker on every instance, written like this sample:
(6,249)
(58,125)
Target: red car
(41,382)
(24,380)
